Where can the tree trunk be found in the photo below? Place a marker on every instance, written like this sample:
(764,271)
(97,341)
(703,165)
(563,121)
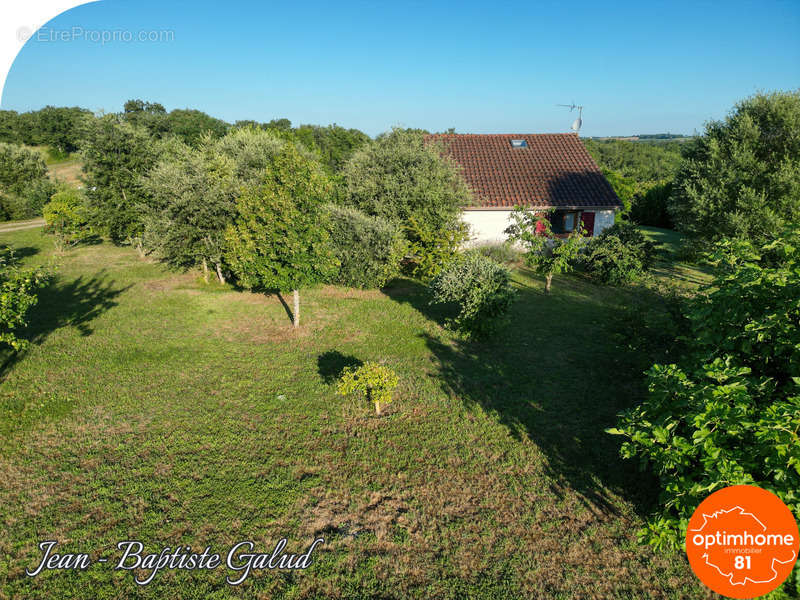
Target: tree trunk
(547,281)
(220,275)
(296,313)
(378,408)
(205,270)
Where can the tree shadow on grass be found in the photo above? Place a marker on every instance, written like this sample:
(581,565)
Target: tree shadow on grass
(416,294)
(330,364)
(72,303)
(16,254)
(559,376)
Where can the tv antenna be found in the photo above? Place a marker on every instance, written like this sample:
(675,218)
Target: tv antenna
(576,124)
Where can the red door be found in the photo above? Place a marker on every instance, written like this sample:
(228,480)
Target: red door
(588,222)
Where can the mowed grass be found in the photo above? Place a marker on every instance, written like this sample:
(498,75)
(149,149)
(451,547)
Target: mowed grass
(154,407)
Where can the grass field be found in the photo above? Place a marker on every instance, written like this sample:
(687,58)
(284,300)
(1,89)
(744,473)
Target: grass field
(156,408)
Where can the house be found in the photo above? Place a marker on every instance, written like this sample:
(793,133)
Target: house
(545,171)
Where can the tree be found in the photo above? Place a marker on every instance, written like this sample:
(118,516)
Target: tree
(279,239)
(67,219)
(19,166)
(372,381)
(399,177)
(191,125)
(9,127)
(116,156)
(252,150)
(334,144)
(193,192)
(61,128)
(369,249)
(730,413)
(742,178)
(626,190)
(24,184)
(150,115)
(545,252)
(17,295)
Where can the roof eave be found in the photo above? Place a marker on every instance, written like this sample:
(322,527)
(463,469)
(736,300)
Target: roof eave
(564,207)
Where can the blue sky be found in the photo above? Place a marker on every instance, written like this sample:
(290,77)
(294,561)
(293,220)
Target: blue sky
(481,67)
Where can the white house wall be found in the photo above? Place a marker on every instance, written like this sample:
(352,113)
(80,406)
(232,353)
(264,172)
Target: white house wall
(487,226)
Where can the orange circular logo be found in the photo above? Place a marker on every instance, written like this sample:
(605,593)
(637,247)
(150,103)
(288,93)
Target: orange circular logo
(742,541)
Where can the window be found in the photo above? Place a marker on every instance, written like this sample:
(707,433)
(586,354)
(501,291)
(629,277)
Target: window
(519,143)
(565,221)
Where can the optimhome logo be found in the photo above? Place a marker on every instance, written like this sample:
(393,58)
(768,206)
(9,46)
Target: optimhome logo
(742,541)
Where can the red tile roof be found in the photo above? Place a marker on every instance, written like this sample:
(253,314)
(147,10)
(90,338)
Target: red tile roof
(554,170)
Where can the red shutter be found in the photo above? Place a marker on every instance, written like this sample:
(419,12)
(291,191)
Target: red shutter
(588,222)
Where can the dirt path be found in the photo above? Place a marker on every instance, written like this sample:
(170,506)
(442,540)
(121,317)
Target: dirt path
(17,225)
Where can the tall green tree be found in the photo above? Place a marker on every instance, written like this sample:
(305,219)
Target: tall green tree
(193,198)
(400,177)
(116,156)
(742,177)
(279,239)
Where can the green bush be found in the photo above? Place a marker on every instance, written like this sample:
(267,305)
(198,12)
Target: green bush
(480,287)
(67,218)
(372,381)
(730,414)
(369,248)
(17,295)
(619,255)
(504,253)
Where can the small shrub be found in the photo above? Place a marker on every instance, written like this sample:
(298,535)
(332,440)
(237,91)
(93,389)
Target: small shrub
(505,253)
(372,381)
(369,248)
(619,255)
(67,219)
(482,290)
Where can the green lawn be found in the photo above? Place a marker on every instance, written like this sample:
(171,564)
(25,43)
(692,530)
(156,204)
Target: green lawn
(153,407)
(669,265)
